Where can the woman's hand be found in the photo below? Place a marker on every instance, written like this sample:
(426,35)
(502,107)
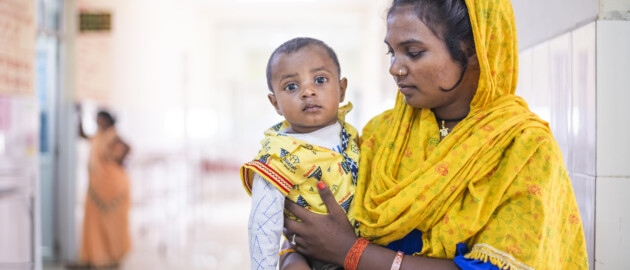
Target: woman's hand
(329,238)
(324,237)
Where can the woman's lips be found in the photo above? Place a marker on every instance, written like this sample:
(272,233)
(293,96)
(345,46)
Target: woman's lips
(406,89)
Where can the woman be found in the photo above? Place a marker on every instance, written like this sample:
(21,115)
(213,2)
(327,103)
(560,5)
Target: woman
(460,173)
(106,239)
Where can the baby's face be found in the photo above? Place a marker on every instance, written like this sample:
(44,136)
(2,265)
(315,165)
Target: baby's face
(307,88)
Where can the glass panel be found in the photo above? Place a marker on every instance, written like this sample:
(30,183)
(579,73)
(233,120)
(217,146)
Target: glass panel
(49,15)
(46,84)
(40,14)
(52,14)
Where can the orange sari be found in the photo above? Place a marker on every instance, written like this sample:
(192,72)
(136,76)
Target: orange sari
(105,238)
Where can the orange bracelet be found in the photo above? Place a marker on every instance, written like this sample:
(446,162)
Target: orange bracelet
(397,260)
(288,250)
(353,256)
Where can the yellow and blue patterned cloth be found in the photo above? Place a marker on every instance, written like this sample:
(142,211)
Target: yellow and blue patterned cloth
(295,166)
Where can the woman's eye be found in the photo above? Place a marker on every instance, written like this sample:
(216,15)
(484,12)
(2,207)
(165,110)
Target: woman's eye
(414,54)
(390,52)
(321,80)
(291,87)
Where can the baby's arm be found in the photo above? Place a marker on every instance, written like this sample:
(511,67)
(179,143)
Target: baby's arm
(265,224)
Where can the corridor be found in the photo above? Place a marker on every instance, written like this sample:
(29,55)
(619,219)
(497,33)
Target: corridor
(178,223)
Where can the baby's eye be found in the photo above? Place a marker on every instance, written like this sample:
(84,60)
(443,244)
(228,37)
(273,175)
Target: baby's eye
(291,87)
(321,80)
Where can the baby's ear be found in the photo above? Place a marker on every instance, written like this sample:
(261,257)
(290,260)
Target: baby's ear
(343,84)
(274,102)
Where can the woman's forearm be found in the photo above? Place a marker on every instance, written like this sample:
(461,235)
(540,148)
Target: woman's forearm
(376,257)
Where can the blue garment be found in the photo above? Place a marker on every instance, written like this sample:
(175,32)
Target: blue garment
(466,263)
(412,243)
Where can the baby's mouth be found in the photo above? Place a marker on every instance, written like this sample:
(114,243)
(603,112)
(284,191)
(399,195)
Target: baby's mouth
(311,107)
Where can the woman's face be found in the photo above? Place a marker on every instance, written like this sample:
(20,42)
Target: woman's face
(102,122)
(421,66)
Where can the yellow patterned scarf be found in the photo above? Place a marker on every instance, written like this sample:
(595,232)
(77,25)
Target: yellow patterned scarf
(497,182)
(295,166)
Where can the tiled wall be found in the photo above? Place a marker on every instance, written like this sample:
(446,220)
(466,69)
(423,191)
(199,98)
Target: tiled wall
(580,83)
(557,79)
(613,145)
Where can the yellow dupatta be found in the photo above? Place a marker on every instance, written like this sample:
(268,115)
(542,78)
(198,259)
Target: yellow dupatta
(497,182)
(295,166)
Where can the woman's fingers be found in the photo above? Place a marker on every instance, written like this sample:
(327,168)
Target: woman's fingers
(325,237)
(299,211)
(329,199)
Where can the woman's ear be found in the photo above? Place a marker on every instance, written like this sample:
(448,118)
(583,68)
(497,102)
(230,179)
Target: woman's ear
(471,54)
(343,84)
(274,102)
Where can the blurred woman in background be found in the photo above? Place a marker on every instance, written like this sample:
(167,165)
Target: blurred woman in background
(105,240)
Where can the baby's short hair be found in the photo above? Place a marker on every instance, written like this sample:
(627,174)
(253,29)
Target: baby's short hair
(295,45)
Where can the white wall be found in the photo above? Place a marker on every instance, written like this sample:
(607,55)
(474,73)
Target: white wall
(613,146)
(540,20)
(614,10)
(19,130)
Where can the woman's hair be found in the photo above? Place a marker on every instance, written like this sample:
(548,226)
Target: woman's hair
(447,19)
(107,116)
(295,45)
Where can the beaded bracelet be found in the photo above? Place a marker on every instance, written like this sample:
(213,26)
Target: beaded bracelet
(397,260)
(353,256)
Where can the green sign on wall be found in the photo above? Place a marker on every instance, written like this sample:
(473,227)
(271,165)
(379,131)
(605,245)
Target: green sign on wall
(95,22)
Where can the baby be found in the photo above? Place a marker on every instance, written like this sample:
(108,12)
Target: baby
(313,144)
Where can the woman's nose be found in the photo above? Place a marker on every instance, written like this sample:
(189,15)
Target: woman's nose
(395,67)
